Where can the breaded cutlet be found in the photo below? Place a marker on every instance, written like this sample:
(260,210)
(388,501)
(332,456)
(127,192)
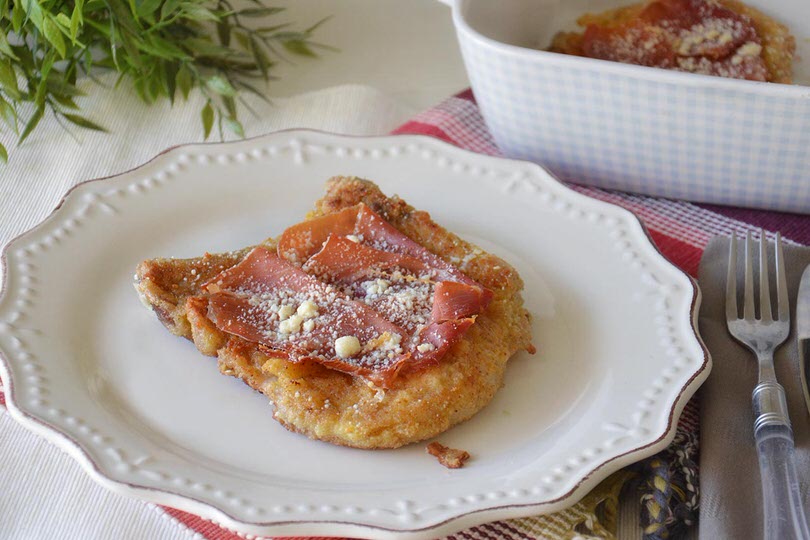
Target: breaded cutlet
(338,407)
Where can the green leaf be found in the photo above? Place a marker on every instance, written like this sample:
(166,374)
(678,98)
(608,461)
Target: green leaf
(235,126)
(32,123)
(76,19)
(8,80)
(148,7)
(58,86)
(5,47)
(163,48)
(39,96)
(220,85)
(123,17)
(272,29)
(260,11)
(81,121)
(169,76)
(230,106)
(207,119)
(154,87)
(47,64)
(203,47)
(33,10)
(75,22)
(17,17)
(317,25)
(169,8)
(198,13)
(299,47)
(3,153)
(259,55)
(224,33)
(54,35)
(63,21)
(42,86)
(283,36)
(243,40)
(66,101)
(141,89)
(255,91)
(8,114)
(184,80)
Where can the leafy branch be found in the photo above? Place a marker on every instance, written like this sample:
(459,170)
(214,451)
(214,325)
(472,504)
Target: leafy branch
(163,47)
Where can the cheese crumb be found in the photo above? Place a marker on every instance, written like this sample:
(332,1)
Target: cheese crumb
(750,49)
(392,342)
(406,297)
(285,311)
(308,309)
(290,325)
(724,38)
(309,325)
(425,347)
(378,286)
(347,346)
(353,238)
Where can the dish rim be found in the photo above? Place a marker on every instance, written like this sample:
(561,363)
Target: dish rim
(75,449)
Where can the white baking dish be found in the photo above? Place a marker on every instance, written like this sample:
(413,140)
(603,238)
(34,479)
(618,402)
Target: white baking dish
(635,128)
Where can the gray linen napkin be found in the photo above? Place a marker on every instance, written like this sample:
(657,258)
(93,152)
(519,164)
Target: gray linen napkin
(731,501)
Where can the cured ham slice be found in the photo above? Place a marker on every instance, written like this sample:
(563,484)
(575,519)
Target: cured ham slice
(351,292)
(300,242)
(342,260)
(267,300)
(453,300)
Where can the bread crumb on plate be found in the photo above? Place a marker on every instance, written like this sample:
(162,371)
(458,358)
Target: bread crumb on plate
(449,457)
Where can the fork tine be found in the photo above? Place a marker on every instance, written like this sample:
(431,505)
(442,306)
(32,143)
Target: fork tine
(748,296)
(781,282)
(765,312)
(731,281)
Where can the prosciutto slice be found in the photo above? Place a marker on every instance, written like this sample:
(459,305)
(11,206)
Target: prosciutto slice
(302,241)
(248,300)
(348,275)
(342,260)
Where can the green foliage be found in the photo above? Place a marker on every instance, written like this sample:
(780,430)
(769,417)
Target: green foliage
(164,47)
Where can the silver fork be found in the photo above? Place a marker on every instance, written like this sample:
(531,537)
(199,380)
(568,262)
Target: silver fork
(783,512)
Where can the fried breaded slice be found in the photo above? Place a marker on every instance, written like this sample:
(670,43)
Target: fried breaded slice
(336,407)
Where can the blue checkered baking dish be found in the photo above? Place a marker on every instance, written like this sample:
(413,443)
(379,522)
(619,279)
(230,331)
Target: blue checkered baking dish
(634,128)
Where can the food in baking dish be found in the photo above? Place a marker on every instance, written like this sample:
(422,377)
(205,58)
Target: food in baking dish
(712,37)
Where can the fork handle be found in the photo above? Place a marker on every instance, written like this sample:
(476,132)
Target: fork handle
(784,517)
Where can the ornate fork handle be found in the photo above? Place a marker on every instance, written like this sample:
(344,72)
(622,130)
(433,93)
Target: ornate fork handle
(783,509)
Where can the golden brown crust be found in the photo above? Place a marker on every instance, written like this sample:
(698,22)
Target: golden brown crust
(778,45)
(335,407)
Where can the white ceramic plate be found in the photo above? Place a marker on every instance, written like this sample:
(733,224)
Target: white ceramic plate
(146,415)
